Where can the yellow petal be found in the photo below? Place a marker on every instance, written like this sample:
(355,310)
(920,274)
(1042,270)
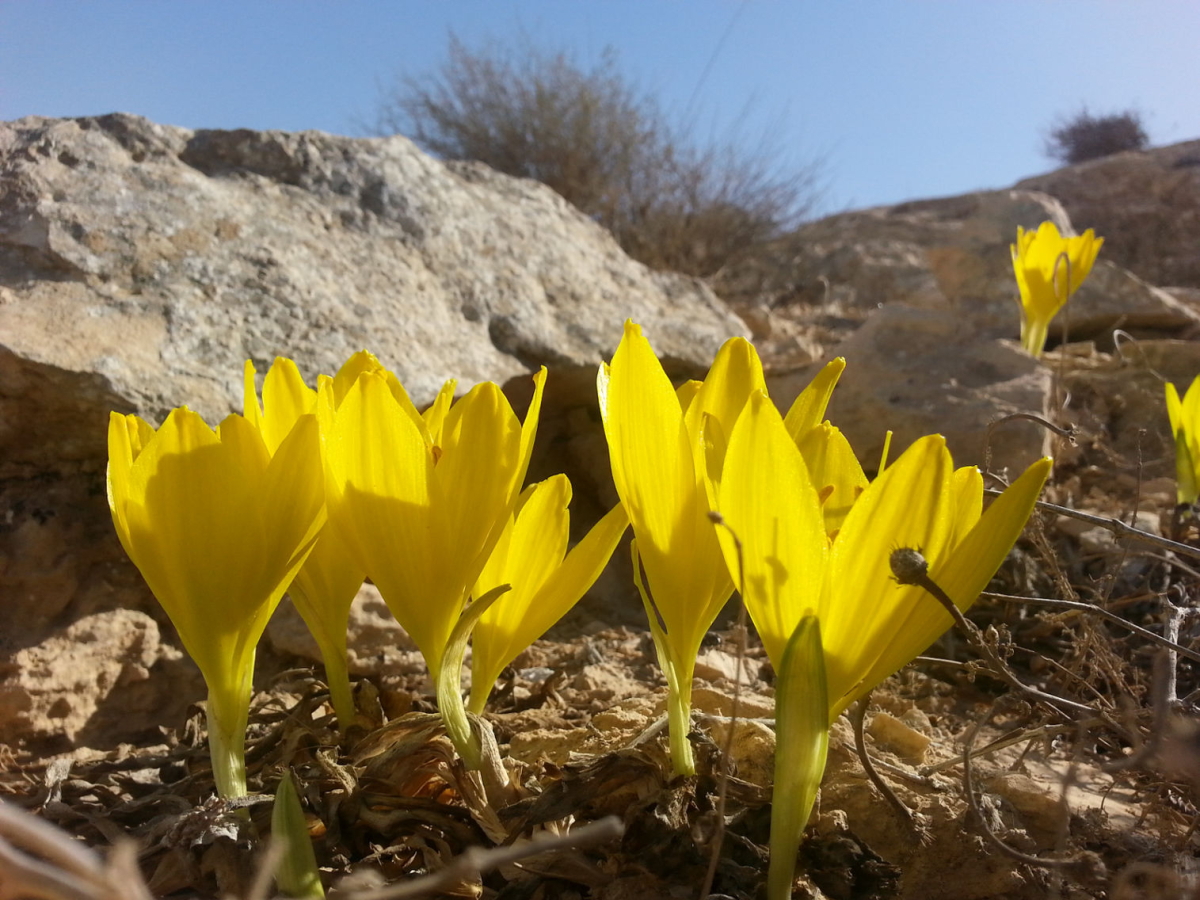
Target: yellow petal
(120,465)
(832,465)
(382,466)
(578,572)
(909,505)
(324,590)
(293,495)
(968,501)
(250,405)
(735,374)
(360,362)
(471,492)
(687,392)
(1189,422)
(529,430)
(1187,491)
(1082,252)
(285,399)
(808,409)
(1174,408)
(769,503)
(196,529)
(435,416)
(654,470)
(544,585)
(963,571)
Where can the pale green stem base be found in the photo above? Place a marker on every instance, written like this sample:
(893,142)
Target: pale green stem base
(331,639)
(1033,337)
(801,748)
(337,676)
(227,715)
(454,713)
(477,702)
(679,706)
(448,677)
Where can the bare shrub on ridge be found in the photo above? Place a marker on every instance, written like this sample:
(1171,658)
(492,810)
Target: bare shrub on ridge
(672,199)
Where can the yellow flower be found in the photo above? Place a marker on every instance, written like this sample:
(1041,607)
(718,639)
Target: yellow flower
(1185,429)
(832,618)
(326,586)
(218,528)
(1042,260)
(530,557)
(870,625)
(666,450)
(420,501)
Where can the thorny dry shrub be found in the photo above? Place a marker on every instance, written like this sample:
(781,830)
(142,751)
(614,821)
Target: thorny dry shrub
(672,199)
(1075,698)
(1084,136)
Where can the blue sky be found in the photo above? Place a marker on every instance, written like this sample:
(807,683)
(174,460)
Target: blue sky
(901,99)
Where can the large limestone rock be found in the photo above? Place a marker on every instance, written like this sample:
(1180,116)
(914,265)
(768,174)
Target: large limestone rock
(161,259)
(141,265)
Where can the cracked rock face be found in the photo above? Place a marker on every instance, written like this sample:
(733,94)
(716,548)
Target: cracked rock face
(141,265)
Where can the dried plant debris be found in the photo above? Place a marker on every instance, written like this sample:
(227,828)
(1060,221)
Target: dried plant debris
(1072,688)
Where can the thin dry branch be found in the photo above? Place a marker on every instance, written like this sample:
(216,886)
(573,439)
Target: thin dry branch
(477,860)
(1116,526)
(1104,614)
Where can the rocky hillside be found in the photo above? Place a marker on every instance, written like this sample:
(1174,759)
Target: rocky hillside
(141,265)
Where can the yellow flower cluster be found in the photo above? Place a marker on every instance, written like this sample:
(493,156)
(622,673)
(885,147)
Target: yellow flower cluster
(809,540)
(314,490)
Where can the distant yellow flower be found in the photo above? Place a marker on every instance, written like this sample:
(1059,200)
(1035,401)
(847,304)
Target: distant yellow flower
(218,527)
(530,557)
(870,625)
(666,449)
(420,501)
(1042,260)
(1185,429)
(326,586)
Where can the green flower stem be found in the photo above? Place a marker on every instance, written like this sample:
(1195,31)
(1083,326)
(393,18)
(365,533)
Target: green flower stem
(801,748)
(449,681)
(331,640)
(227,714)
(1033,336)
(477,702)
(337,676)
(679,719)
(297,875)
(679,703)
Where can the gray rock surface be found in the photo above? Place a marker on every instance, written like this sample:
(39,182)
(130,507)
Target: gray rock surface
(915,372)
(160,259)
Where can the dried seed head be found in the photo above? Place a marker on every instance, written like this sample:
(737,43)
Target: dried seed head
(908,565)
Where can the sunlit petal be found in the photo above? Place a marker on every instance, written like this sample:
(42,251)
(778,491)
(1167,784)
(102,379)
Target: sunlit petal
(771,506)
(808,409)
(909,505)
